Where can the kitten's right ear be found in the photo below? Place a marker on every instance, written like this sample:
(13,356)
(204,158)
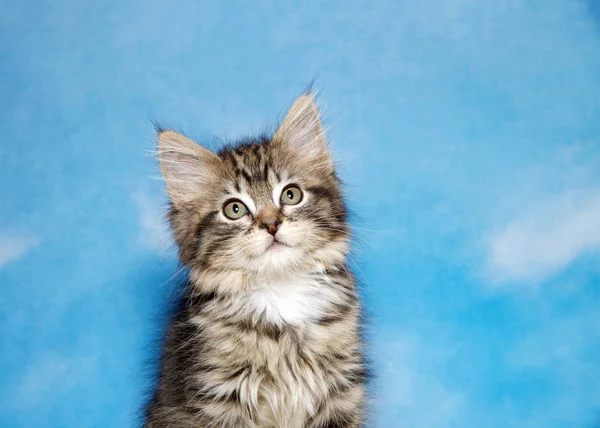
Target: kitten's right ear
(188,168)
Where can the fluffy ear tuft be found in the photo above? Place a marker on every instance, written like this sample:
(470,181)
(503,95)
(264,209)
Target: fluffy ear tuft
(302,129)
(188,168)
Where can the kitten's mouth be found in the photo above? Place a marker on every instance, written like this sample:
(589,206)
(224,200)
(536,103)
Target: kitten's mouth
(276,244)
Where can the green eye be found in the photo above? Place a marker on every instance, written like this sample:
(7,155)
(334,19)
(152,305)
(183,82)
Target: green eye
(234,210)
(291,195)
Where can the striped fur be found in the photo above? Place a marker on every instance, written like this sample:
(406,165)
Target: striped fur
(269,335)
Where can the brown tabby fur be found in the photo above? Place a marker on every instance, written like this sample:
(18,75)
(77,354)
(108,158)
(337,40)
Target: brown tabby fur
(268,337)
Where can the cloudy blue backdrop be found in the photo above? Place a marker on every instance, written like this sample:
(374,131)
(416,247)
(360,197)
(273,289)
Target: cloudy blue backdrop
(468,132)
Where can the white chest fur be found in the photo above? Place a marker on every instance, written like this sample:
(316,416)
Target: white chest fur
(291,301)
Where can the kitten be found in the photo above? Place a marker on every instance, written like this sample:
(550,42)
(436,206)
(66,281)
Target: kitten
(269,335)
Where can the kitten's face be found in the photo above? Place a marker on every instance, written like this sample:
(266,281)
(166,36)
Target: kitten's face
(269,216)
(264,208)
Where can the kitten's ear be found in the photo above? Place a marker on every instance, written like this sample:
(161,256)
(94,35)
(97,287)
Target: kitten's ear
(302,130)
(188,168)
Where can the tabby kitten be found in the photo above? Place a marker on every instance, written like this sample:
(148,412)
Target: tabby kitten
(269,334)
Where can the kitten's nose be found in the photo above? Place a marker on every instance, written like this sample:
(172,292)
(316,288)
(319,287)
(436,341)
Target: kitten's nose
(271,224)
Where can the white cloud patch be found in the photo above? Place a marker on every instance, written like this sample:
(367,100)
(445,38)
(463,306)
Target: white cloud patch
(546,238)
(14,246)
(154,232)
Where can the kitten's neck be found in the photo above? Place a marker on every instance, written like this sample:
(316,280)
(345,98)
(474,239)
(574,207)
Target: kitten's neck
(231,282)
(295,299)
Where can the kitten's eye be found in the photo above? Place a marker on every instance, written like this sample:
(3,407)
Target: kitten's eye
(291,195)
(235,210)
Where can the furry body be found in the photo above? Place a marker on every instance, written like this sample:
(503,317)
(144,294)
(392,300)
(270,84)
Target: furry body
(269,333)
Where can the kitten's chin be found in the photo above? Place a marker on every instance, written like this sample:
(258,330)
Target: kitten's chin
(279,257)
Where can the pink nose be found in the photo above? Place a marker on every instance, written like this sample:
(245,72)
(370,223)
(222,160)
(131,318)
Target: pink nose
(271,225)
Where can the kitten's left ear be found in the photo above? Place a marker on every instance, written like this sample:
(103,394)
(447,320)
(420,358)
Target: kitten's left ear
(302,129)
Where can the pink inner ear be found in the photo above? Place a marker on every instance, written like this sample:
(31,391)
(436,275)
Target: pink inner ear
(187,167)
(302,128)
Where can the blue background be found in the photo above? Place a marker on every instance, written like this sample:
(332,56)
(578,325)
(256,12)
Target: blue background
(468,132)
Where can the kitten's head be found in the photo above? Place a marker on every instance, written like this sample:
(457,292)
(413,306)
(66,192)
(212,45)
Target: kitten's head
(265,207)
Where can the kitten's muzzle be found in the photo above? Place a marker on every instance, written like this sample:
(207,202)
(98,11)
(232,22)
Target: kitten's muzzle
(271,224)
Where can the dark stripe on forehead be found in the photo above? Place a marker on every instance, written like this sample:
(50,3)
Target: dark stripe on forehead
(238,168)
(237,159)
(246,176)
(244,163)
